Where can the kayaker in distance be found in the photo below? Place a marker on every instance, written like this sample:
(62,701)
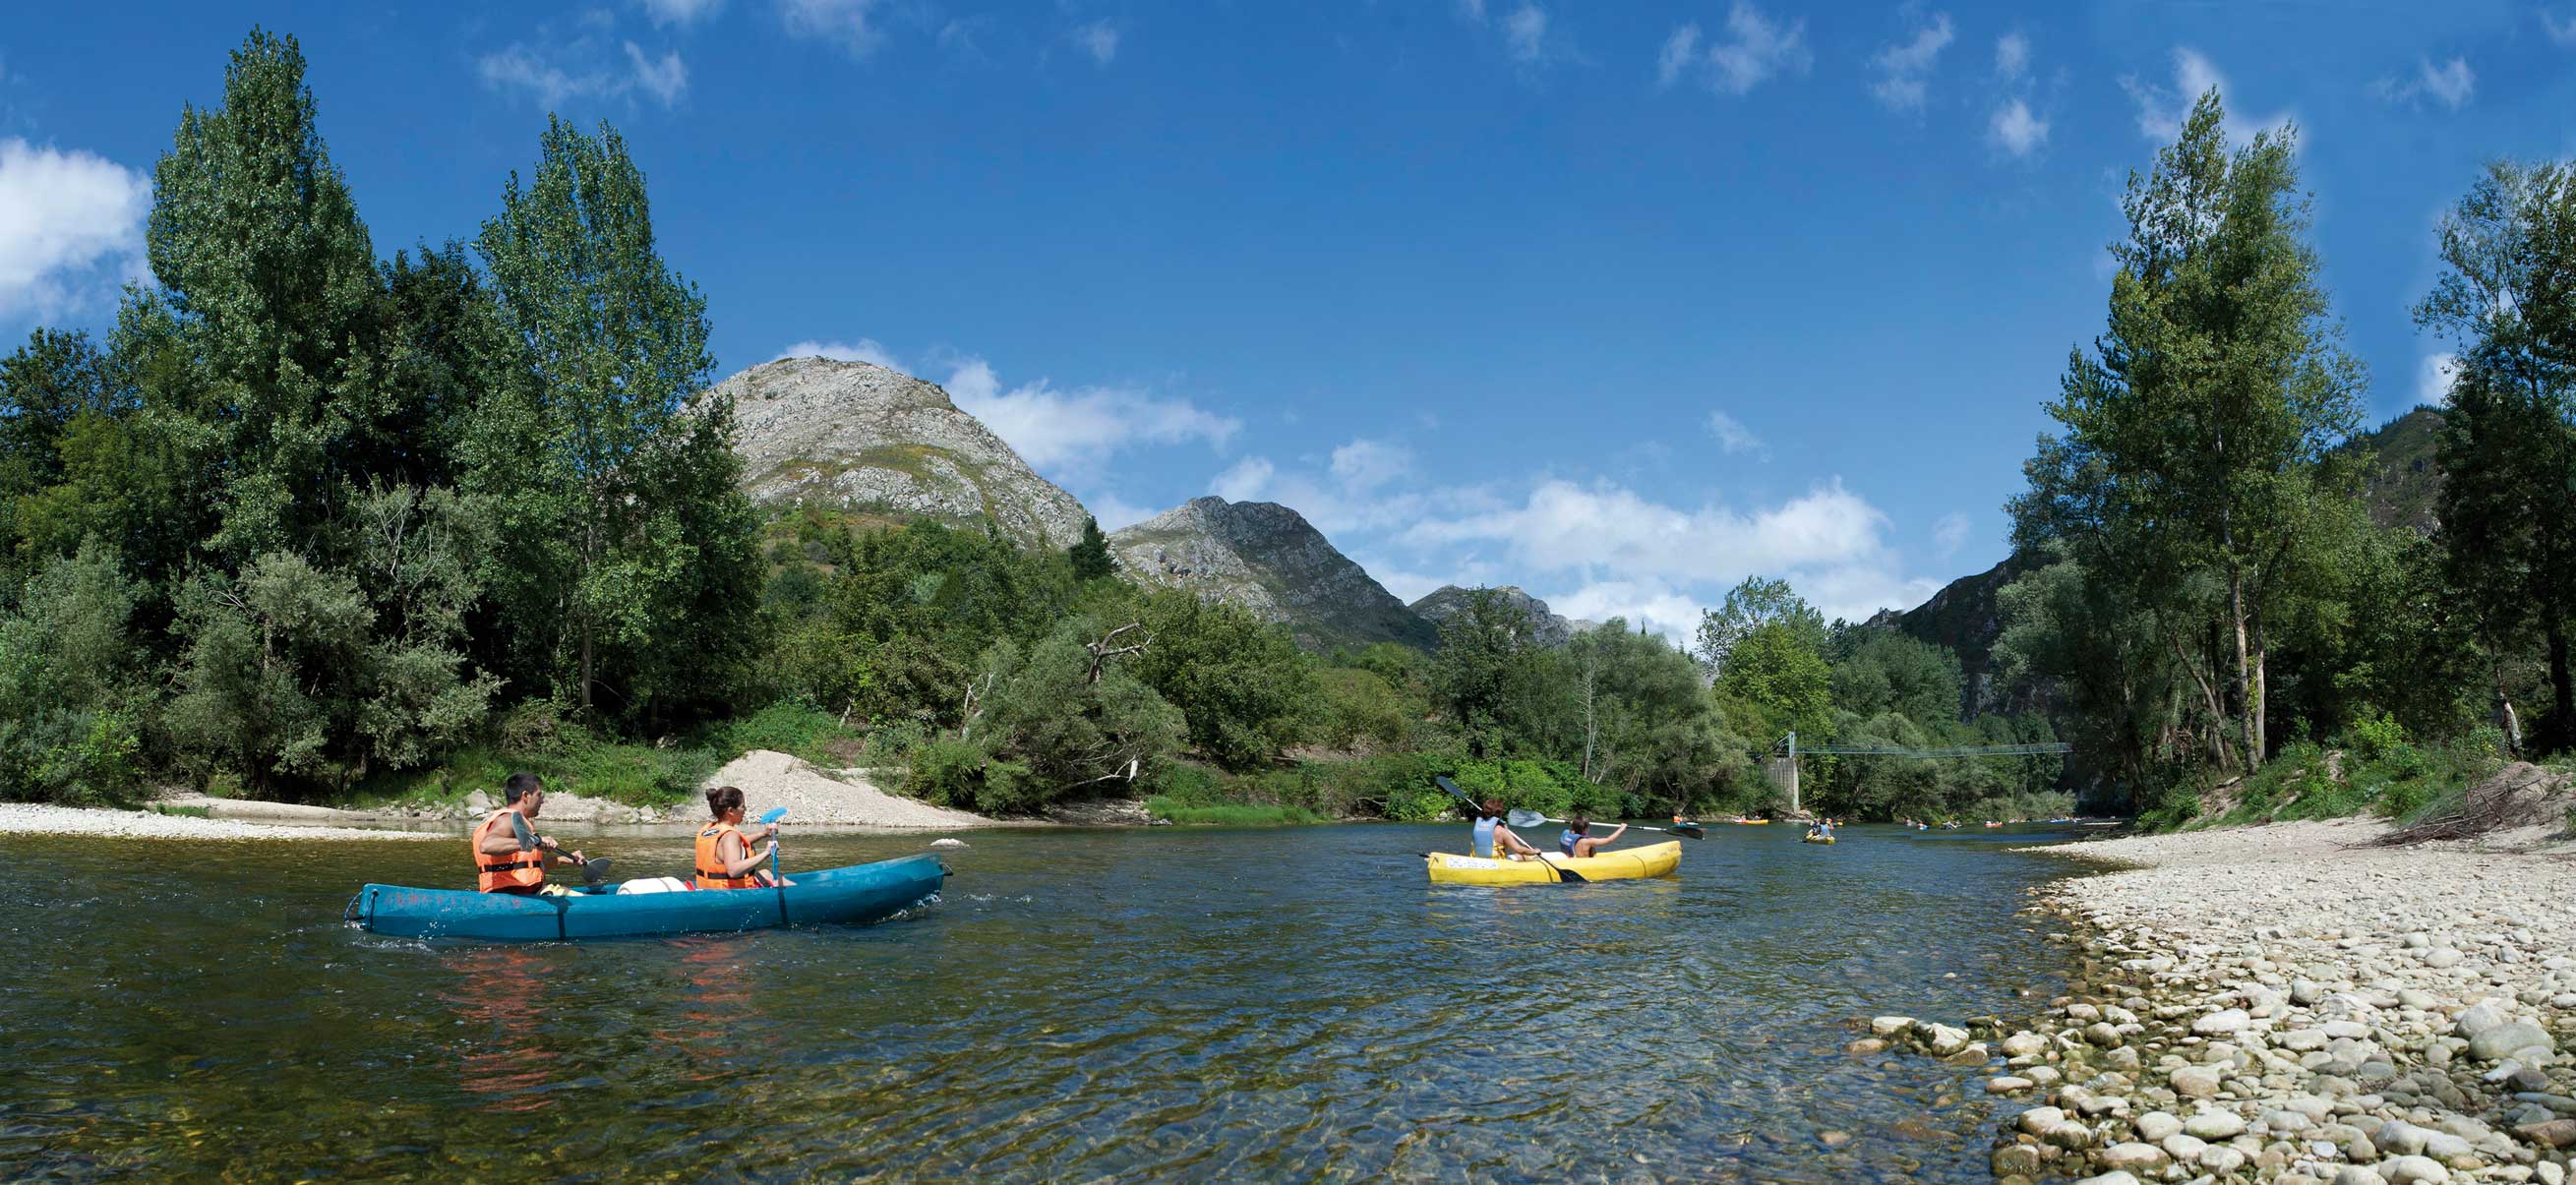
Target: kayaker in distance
(1574,840)
(511,857)
(725,858)
(1492,838)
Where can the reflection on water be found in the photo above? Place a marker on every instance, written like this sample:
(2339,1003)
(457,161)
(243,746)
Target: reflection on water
(1286,1004)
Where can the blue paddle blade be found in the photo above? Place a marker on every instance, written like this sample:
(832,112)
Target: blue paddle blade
(773,814)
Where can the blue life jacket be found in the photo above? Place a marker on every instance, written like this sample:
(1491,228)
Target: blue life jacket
(1565,841)
(1484,845)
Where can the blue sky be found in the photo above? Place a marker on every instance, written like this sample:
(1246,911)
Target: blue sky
(1618,303)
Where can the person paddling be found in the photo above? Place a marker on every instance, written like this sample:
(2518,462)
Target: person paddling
(1493,839)
(1576,839)
(509,855)
(725,858)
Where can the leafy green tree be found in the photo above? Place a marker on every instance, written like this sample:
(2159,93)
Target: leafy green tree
(1777,668)
(1240,682)
(615,496)
(1649,727)
(1054,719)
(270,279)
(1754,603)
(73,703)
(1482,668)
(1090,557)
(1888,671)
(2504,300)
(2196,439)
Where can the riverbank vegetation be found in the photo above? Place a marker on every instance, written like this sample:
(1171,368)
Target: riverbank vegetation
(2213,604)
(315,523)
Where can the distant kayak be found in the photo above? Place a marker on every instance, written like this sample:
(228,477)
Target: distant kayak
(1617,864)
(1751,822)
(854,896)
(1815,839)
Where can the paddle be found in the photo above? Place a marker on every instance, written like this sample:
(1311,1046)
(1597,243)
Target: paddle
(773,815)
(592,867)
(1520,819)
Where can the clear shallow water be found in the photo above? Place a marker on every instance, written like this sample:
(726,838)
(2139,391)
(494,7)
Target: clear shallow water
(1289,1004)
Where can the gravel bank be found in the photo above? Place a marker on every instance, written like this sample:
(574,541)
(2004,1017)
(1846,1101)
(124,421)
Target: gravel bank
(2272,1004)
(841,797)
(31,819)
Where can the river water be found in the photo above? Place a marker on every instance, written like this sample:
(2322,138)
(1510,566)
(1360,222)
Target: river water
(1165,1004)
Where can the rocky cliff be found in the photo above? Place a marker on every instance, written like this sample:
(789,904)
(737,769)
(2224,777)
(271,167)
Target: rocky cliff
(880,445)
(1270,560)
(1546,628)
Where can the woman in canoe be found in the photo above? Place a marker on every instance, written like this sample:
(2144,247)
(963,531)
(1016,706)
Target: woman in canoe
(1493,839)
(725,857)
(1576,840)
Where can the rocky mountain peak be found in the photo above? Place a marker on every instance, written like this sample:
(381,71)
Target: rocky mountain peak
(1267,558)
(878,444)
(1546,628)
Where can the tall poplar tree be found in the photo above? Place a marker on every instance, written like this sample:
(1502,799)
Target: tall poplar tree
(616,494)
(2506,300)
(2196,436)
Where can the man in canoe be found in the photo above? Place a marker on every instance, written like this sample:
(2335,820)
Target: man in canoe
(1493,839)
(725,858)
(1576,840)
(509,855)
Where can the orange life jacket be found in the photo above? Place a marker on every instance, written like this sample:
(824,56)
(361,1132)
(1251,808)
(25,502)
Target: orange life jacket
(711,867)
(509,871)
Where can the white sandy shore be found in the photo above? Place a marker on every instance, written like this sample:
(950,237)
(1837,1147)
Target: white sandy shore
(2276,1004)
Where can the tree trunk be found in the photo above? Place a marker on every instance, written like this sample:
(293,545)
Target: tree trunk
(2249,672)
(2562,698)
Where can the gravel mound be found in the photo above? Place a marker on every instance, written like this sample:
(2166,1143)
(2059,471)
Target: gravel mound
(811,795)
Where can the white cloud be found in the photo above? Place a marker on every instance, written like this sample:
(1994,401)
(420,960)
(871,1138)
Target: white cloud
(1650,603)
(71,227)
(1732,435)
(846,22)
(1244,481)
(2015,130)
(866,349)
(1368,464)
(1099,39)
(665,78)
(1060,431)
(1949,532)
(2435,378)
(1561,525)
(1114,513)
(681,12)
(1525,33)
(1904,68)
(583,70)
(2562,32)
(2450,83)
(1756,50)
(1074,430)
(1679,51)
(2012,56)
(2161,111)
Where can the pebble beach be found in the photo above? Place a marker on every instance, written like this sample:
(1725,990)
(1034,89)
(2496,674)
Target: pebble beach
(2288,1004)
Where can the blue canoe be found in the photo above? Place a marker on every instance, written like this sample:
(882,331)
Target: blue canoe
(855,896)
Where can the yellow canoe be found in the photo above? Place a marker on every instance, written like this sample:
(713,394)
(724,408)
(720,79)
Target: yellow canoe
(1816,839)
(1614,865)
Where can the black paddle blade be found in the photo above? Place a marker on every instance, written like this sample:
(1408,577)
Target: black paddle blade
(1689,830)
(594,868)
(1444,783)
